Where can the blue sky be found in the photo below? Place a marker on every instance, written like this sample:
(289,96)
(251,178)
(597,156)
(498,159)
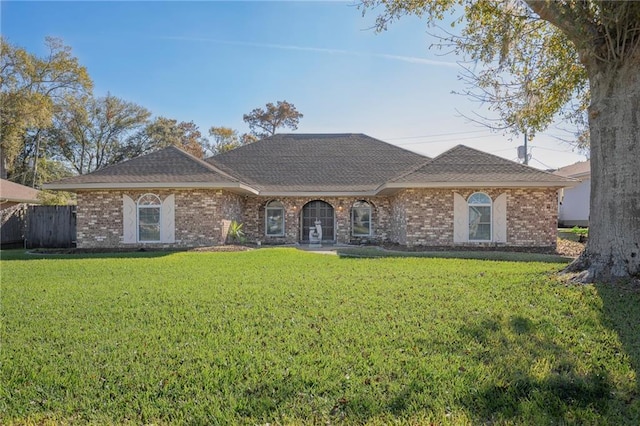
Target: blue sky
(210,62)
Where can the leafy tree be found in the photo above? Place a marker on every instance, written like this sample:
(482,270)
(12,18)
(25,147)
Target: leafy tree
(90,133)
(57,198)
(225,139)
(163,132)
(265,122)
(544,58)
(31,88)
(46,170)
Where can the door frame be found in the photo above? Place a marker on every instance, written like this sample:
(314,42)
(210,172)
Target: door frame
(304,230)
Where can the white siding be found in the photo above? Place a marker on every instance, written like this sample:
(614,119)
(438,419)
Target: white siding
(574,204)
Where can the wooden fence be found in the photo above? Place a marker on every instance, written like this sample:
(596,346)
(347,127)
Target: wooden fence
(51,227)
(13,226)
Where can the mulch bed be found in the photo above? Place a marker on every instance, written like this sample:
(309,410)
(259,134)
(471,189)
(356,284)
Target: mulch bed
(569,248)
(564,248)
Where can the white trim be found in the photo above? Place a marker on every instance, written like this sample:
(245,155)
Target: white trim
(490,205)
(266,218)
(477,184)
(149,185)
(154,206)
(318,194)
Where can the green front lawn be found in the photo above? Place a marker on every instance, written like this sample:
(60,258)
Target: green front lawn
(286,337)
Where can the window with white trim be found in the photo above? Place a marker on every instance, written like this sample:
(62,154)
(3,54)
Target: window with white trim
(479,217)
(274,219)
(361,219)
(149,208)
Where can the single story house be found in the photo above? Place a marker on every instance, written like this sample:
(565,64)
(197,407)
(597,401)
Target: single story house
(574,202)
(357,188)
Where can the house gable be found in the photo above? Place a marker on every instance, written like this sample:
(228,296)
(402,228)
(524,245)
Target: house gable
(327,164)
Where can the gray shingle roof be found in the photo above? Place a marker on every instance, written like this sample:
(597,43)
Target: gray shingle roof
(317,163)
(314,164)
(167,167)
(579,169)
(462,164)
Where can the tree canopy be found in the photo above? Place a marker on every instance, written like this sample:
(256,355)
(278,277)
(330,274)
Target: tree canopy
(266,121)
(90,133)
(31,90)
(573,59)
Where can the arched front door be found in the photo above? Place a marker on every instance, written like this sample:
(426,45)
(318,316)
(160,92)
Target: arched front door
(318,210)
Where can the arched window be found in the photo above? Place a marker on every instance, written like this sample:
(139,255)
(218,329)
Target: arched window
(361,219)
(479,217)
(149,207)
(274,219)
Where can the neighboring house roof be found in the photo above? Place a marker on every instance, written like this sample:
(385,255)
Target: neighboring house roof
(167,168)
(464,166)
(576,170)
(318,163)
(16,193)
(315,164)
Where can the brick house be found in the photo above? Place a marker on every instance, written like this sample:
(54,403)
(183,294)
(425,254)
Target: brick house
(357,188)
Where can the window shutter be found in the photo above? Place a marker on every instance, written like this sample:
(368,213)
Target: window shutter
(128,220)
(460,219)
(167,216)
(499,214)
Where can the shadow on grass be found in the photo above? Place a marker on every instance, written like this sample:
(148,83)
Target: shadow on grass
(556,393)
(621,313)
(503,384)
(22,254)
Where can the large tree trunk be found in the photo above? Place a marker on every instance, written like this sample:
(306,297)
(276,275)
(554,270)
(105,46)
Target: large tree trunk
(613,247)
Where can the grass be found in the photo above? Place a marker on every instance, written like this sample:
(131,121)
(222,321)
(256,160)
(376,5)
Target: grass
(285,337)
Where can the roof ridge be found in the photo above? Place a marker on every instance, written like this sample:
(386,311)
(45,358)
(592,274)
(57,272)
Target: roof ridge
(219,166)
(411,170)
(488,154)
(202,162)
(395,146)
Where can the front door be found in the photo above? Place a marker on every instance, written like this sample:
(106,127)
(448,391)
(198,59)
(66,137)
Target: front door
(318,210)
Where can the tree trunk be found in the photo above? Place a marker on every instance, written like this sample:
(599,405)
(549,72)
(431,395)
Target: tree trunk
(613,247)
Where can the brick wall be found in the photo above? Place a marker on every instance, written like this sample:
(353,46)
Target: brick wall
(199,216)
(412,217)
(254,219)
(424,217)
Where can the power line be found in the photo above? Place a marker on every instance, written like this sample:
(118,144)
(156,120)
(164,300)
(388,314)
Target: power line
(545,165)
(443,140)
(502,150)
(549,149)
(434,136)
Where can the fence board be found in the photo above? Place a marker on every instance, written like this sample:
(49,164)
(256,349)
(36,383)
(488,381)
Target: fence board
(12,227)
(51,227)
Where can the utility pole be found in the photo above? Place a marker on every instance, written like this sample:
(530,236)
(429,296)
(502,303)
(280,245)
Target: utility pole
(523,151)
